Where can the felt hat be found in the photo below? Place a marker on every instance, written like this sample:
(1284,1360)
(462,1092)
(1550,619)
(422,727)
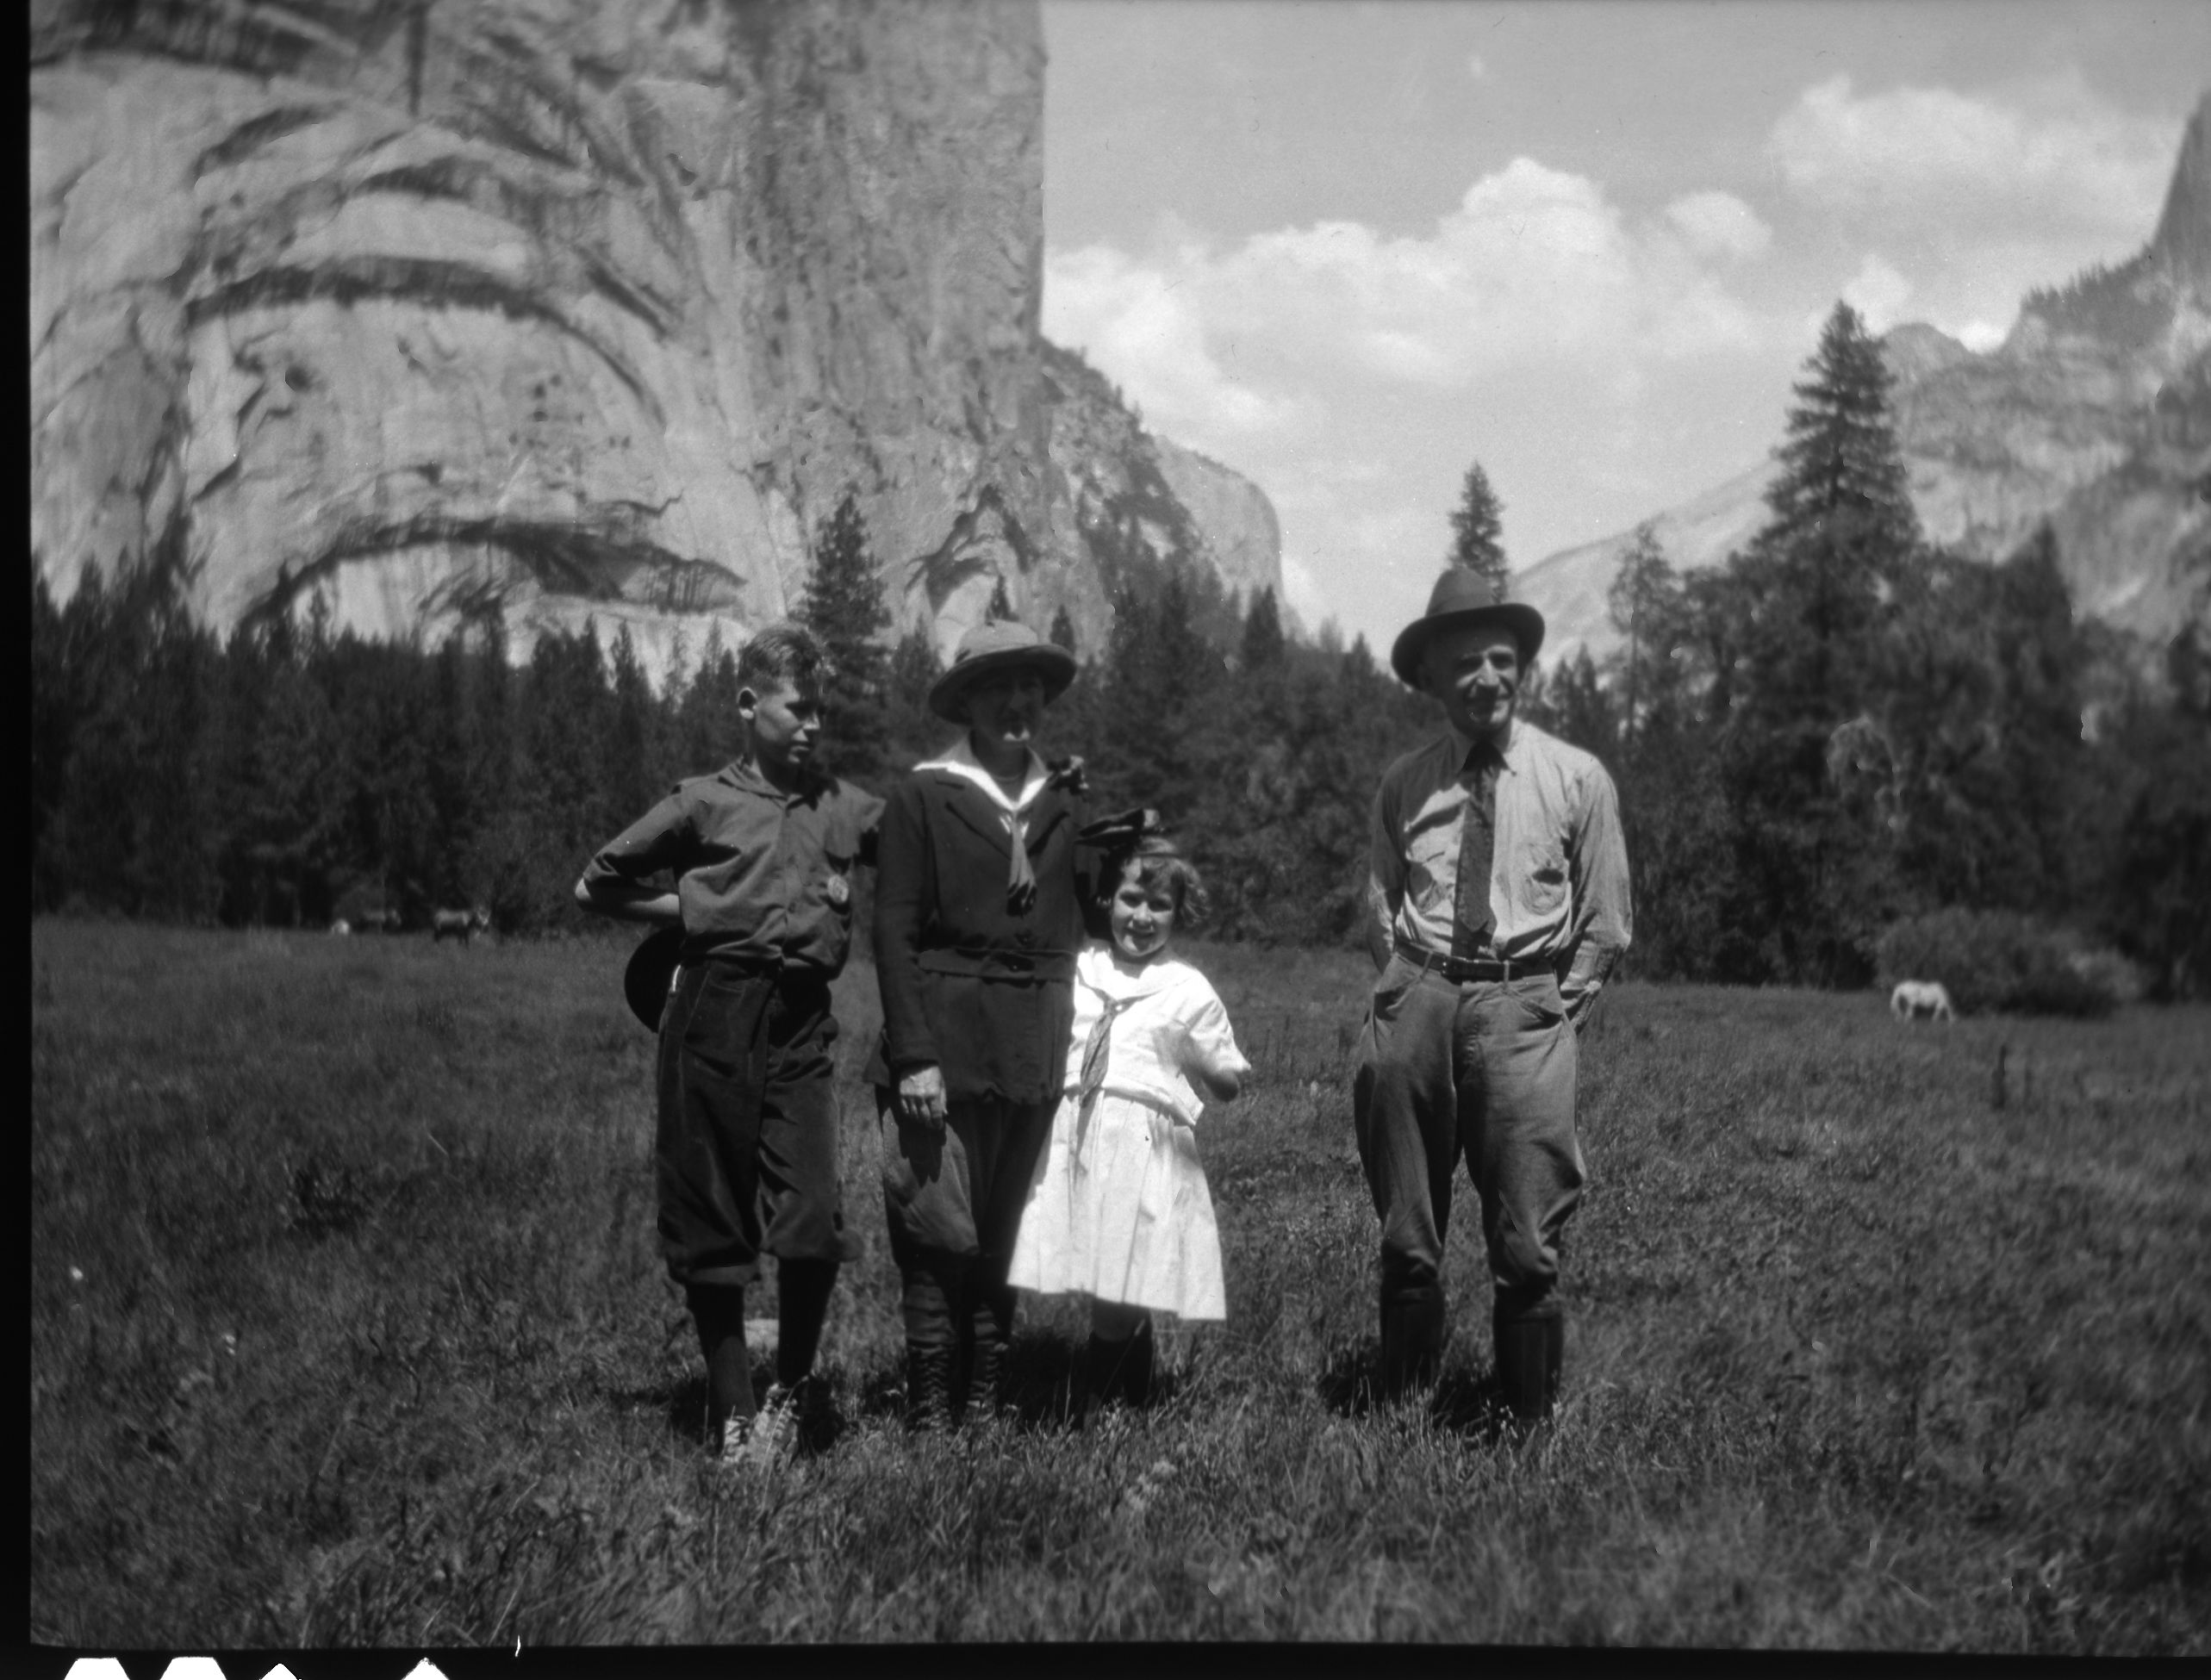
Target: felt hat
(651,974)
(1003,645)
(1137,832)
(1462,597)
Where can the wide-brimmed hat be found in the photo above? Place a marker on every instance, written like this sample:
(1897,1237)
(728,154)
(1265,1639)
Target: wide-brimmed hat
(1463,597)
(650,973)
(1003,645)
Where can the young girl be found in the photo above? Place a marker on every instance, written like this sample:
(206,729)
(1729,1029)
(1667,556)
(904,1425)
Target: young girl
(1118,1209)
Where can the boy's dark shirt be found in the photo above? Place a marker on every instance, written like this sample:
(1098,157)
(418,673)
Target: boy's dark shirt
(754,865)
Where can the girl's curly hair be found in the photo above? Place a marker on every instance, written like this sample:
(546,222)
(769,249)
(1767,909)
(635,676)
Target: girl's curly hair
(1156,864)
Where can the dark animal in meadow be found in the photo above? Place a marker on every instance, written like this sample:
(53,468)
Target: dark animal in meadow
(461,924)
(1913,999)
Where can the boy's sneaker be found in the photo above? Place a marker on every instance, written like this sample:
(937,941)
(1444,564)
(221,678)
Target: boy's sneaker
(775,1437)
(728,1440)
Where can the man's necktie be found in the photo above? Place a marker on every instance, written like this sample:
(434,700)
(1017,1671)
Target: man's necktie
(1472,922)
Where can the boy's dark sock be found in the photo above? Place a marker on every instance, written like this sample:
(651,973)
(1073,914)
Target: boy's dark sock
(718,1309)
(803,1288)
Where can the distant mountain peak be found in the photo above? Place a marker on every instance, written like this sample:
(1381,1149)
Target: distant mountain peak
(2181,244)
(2094,415)
(1915,350)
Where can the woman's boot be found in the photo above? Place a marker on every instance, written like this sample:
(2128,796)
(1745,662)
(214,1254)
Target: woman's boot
(928,1389)
(932,1348)
(991,1316)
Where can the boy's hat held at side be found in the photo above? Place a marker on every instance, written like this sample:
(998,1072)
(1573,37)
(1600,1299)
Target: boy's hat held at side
(1002,645)
(1463,597)
(651,974)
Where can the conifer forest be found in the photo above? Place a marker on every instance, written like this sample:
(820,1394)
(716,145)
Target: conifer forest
(1840,730)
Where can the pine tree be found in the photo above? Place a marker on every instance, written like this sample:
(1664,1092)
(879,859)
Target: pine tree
(632,775)
(1644,604)
(1001,606)
(1063,631)
(1797,630)
(1477,526)
(915,730)
(707,730)
(844,608)
(1262,646)
(1841,460)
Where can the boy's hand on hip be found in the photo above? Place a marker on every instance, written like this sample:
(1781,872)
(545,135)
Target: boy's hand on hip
(921,1096)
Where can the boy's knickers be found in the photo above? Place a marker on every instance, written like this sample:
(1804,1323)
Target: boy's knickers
(746,1151)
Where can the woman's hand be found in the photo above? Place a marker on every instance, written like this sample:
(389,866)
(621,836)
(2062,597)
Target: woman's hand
(921,1096)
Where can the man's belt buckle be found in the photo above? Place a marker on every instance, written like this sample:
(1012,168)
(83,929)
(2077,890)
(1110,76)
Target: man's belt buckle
(1460,969)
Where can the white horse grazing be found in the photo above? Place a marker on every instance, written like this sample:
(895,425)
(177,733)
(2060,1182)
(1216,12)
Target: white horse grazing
(1913,999)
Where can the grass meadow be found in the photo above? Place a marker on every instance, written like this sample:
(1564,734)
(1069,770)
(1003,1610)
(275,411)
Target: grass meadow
(347,1326)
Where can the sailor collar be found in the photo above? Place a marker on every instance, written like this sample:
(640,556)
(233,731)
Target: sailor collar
(959,760)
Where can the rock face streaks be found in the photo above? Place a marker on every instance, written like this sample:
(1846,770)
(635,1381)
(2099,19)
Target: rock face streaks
(550,307)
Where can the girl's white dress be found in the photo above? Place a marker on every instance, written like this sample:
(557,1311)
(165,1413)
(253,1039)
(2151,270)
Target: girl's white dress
(1118,1208)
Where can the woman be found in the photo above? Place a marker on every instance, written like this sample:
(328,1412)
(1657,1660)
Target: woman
(978,922)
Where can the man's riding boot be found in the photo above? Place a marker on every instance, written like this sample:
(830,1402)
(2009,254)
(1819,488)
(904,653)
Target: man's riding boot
(1530,1360)
(1412,1341)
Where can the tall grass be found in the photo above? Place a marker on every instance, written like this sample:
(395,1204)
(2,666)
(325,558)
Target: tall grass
(347,1326)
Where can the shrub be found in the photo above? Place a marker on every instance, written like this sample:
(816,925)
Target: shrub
(1991,960)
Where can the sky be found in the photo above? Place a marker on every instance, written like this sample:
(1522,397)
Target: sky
(1350,249)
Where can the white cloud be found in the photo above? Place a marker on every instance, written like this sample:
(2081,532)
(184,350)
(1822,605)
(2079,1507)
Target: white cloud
(1719,224)
(1353,374)
(1977,197)
(1932,159)
(1877,292)
(1477,67)
(1142,322)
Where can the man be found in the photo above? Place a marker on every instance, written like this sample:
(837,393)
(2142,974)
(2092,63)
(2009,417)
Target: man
(1499,904)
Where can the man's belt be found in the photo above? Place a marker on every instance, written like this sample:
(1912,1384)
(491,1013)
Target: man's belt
(1460,969)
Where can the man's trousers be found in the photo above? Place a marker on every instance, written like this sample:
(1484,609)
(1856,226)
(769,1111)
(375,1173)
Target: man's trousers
(1483,1070)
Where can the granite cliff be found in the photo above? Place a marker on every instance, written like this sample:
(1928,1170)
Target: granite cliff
(2094,414)
(569,311)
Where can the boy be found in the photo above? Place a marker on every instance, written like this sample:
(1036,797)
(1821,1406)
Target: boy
(745,1155)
